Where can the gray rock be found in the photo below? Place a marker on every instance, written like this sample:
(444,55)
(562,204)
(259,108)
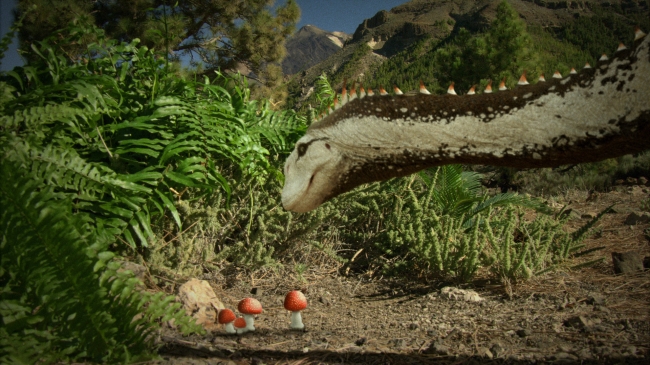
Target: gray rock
(524,332)
(579,322)
(437,348)
(452,293)
(484,352)
(635,218)
(627,262)
(497,349)
(595,299)
(643,181)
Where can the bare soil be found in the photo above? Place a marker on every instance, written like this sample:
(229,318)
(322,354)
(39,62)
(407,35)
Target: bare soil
(586,315)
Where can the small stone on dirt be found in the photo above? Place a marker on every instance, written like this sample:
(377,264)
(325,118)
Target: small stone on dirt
(361,341)
(452,293)
(484,352)
(437,348)
(596,299)
(524,332)
(200,301)
(635,218)
(627,262)
(413,326)
(497,349)
(579,322)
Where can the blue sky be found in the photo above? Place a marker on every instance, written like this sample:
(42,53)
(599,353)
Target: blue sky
(341,15)
(331,15)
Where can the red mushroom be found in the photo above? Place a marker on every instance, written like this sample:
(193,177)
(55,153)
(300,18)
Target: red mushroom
(249,307)
(240,325)
(227,317)
(295,301)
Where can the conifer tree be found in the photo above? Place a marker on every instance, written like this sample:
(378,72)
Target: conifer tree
(510,47)
(241,35)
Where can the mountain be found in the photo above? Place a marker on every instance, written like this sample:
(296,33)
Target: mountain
(309,46)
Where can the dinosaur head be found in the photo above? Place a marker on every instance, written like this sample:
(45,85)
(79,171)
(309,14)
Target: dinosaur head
(310,173)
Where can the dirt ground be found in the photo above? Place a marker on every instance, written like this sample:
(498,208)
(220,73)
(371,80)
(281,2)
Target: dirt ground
(586,315)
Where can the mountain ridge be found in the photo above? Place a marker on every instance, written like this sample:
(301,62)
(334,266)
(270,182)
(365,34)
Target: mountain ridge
(309,46)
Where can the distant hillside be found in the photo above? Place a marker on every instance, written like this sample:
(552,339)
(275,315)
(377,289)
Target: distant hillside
(567,30)
(309,46)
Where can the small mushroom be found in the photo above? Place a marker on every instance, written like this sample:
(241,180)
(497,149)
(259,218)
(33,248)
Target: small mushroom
(249,307)
(295,301)
(240,325)
(227,317)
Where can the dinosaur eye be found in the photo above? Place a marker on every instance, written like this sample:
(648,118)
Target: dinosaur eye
(302,149)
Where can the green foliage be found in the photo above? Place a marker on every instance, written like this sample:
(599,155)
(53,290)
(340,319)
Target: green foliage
(218,35)
(251,232)
(602,32)
(62,295)
(118,113)
(94,150)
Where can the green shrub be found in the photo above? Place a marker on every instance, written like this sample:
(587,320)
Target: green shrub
(93,150)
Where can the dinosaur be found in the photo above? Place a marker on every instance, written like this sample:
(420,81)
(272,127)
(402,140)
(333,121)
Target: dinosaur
(599,113)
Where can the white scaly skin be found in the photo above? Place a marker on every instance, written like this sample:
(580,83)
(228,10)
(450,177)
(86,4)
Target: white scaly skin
(601,113)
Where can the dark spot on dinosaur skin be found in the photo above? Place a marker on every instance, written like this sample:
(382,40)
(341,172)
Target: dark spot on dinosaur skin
(608,80)
(302,149)
(620,85)
(630,78)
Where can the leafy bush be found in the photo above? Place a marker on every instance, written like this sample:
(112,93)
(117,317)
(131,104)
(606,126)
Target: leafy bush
(93,150)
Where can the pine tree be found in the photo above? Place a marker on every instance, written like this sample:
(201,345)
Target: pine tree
(227,35)
(510,47)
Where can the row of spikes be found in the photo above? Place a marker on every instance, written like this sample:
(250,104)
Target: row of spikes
(345,98)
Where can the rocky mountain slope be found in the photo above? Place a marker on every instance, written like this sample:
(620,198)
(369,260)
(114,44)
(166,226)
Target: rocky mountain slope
(309,46)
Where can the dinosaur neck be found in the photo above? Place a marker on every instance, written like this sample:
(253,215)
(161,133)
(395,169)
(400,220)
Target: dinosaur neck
(600,113)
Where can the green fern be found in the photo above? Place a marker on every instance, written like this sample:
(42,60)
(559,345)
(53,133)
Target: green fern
(61,290)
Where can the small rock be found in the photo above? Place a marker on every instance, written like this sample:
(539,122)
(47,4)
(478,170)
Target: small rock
(361,341)
(497,349)
(635,218)
(643,181)
(452,293)
(631,350)
(413,326)
(524,332)
(627,262)
(484,352)
(564,356)
(579,322)
(437,348)
(595,299)
(139,271)
(200,301)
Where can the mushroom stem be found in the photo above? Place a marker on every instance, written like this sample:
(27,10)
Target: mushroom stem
(230,328)
(296,321)
(250,320)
